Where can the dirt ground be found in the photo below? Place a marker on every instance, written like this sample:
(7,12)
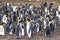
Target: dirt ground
(34,2)
(37,36)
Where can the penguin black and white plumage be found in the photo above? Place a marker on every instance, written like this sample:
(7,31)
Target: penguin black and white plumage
(58,15)
(40,22)
(1,15)
(4,8)
(14,17)
(38,25)
(4,19)
(58,12)
(18,31)
(21,16)
(11,29)
(47,31)
(32,28)
(58,8)
(6,28)
(45,4)
(10,16)
(2,29)
(50,7)
(14,7)
(52,27)
(23,29)
(5,24)
(44,23)
(29,28)
(55,24)
(54,12)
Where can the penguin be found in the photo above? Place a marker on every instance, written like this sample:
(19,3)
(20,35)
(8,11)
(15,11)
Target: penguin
(2,32)
(11,28)
(19,30)
(4,19)
(29,28)
(47,31)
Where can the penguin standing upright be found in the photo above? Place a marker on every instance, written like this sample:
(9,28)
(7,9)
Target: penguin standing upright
(2,32)
(5,24)
(19,30)
(22,29)
(47,31)
(29,28)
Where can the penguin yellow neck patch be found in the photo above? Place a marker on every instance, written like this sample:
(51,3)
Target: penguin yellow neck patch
(1,26)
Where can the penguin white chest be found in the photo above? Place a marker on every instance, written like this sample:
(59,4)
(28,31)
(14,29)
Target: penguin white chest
(28,26)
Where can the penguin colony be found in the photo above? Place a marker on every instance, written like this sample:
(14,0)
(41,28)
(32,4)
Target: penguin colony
(29,19)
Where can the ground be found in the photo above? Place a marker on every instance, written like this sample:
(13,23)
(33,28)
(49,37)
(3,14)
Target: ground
(37,36)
